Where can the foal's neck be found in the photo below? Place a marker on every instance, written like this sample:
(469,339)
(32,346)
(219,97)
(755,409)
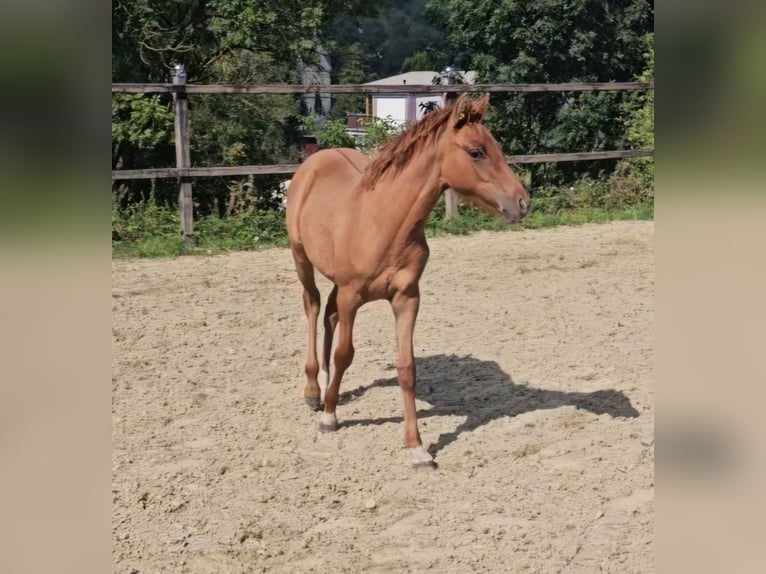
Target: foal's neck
(416,191)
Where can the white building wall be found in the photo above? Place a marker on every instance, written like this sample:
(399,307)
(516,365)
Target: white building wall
(394,107)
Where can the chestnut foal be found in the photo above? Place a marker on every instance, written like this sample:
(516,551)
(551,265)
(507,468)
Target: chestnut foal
(361,223)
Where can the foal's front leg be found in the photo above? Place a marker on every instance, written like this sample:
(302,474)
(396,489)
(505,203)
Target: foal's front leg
(311,303)
(348,302)
(405,305)
(330,322)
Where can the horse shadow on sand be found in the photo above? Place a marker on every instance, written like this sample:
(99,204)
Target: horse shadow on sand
(482,392)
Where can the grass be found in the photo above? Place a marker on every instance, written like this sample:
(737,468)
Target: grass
(470,220)
(147,230)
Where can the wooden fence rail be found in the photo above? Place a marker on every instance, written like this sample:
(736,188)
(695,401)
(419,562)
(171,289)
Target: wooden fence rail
(377,89)
(289,168)
(184,172)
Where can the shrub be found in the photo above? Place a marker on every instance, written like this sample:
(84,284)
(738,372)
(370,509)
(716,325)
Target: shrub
(640,128)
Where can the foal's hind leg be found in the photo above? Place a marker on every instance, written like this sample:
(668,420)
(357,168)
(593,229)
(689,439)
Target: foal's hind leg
(330,322)
(311,303)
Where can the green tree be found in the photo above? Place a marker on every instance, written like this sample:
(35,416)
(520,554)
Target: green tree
(140,123)
(332,132)
(400,30)
(552,41)
(428,59)
(149,36)
(379,131)
(349,67)
(219,41)
(329,133)
(640,125)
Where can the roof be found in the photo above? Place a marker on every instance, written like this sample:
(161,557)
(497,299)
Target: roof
(418,78)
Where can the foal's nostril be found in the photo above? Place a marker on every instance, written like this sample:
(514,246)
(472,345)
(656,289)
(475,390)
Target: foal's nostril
(523,205)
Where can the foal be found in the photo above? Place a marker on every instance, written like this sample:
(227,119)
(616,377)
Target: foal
(361,223)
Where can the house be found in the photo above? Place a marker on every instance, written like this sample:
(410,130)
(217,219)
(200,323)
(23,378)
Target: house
(400,107)
(404,107)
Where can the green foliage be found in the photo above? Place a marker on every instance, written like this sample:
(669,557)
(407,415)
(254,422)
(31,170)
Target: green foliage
(141,220)
(241,231)
(400,30)
(427,59)
(149,36)
(219,41)
(640,127)
(260,41)
(470,220)
(550,41)
(237,129)
(379,131)
(146,229)
(332,133)
(350,66)
(615,192)
(142,121)
(329,133)
(224,130)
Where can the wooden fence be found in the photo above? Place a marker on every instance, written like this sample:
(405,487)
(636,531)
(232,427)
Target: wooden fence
(184,172)
(377,89)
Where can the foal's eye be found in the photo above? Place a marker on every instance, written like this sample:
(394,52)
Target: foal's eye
(477,153)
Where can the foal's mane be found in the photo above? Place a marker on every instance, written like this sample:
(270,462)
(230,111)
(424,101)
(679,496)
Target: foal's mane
(393,156)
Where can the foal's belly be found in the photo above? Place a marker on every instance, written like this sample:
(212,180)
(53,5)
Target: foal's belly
(358,254)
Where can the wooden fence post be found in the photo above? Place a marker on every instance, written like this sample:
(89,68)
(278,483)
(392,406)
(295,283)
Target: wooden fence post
(183,154)
(449,98)
(450,203)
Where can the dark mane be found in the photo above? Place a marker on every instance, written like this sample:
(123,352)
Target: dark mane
(393,156)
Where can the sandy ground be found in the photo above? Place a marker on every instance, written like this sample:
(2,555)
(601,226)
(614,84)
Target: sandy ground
(535,392)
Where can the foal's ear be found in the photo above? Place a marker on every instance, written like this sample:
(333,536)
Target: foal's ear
(478,107)
(468,111)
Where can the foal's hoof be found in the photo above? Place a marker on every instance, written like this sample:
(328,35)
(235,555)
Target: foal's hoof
(328,422)
(421,460)
(313,403)
(426,466)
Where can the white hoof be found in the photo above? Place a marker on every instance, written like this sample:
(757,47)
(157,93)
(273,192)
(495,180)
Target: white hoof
(328,422)
(420,457)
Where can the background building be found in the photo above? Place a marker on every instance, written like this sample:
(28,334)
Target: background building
(407,107)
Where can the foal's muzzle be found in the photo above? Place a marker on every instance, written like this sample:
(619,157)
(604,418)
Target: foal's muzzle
(514,210)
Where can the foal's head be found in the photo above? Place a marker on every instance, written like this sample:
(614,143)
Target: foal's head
(473,164)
